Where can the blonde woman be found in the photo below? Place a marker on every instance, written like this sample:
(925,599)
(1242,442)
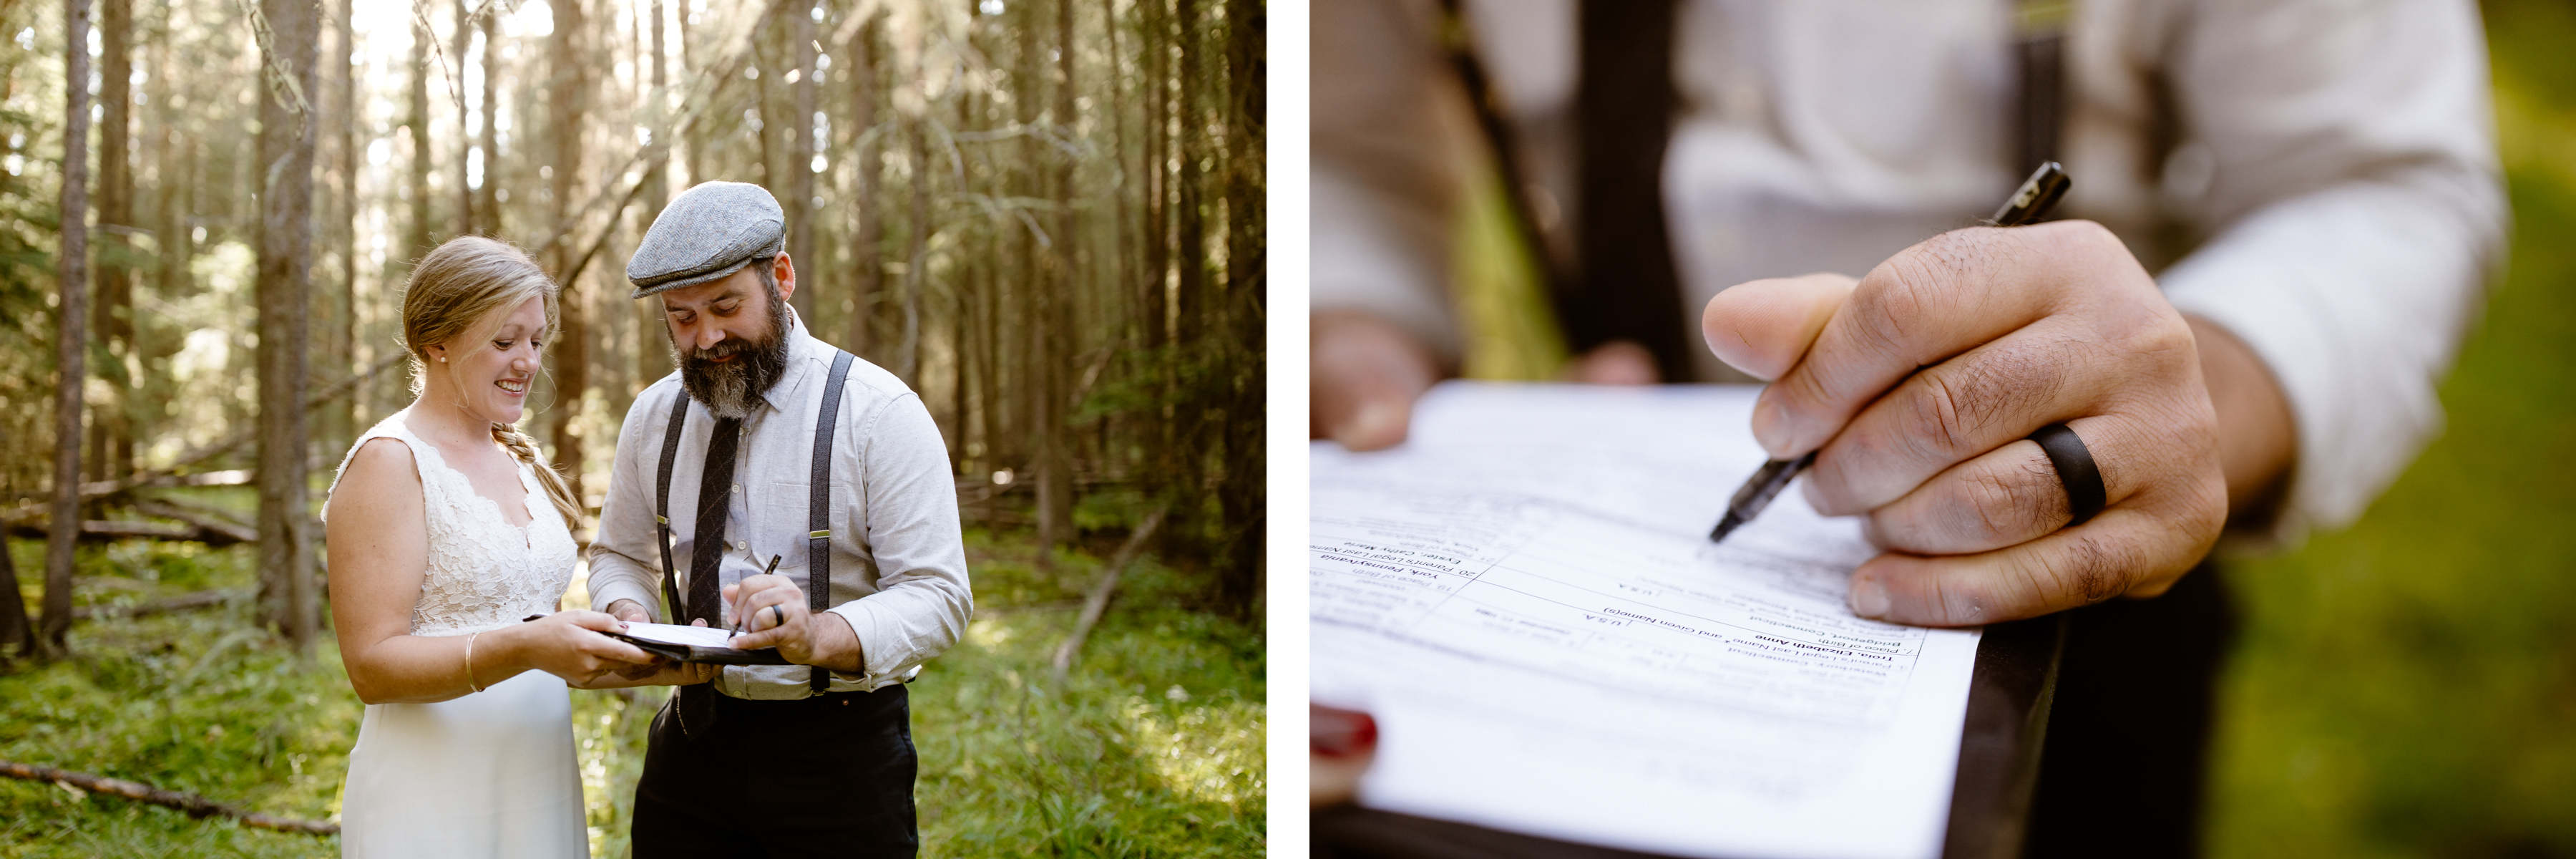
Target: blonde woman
(446,528)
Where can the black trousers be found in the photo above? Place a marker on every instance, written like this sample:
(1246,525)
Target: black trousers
(829,775)
(2125,767)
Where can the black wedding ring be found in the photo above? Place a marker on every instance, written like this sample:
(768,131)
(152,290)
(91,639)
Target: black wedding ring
(2075,471)
(778,617)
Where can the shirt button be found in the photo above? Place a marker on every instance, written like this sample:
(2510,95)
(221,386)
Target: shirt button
(742,545)
(737,489)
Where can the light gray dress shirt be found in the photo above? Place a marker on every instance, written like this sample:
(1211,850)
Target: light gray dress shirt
(898,562)
(2317,177)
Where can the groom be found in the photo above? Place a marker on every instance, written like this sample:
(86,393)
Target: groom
(770,446)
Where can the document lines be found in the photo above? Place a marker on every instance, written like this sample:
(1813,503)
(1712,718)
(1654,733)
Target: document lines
(1525,598)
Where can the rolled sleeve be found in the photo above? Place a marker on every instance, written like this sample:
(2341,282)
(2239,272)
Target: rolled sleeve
(2355,214)
(922,599)
(624,559)
(1385,184)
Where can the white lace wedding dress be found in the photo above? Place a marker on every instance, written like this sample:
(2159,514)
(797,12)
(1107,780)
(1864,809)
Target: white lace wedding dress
(490,773)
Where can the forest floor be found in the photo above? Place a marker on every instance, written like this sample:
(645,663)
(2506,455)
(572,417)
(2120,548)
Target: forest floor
(1153,746)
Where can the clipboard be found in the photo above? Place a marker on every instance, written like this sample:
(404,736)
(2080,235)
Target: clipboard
(693,644)
(702,653)
(673,642)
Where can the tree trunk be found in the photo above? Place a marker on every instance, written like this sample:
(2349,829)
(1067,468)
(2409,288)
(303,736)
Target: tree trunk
(918,256)
(1241,495)
(765,79)
(652,352)
(961,273)
(572,364)
(111,431)
(285,260)
(417,241)
(344,415)
(1162,465)
(867,274)
(487,205)
(697,159)
(1190,240)
(465,222)
(1055,326)
(71,323)
(800,161)
(1127,180)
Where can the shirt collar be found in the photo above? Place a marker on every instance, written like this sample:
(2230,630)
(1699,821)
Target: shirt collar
(801,348)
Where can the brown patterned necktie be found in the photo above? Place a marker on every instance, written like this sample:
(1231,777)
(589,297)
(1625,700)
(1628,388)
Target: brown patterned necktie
(706,555)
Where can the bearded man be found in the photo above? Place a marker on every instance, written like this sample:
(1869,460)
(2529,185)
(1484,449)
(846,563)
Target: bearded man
(817,515)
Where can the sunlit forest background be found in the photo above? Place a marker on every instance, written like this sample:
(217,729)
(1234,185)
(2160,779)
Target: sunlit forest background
(1044,215)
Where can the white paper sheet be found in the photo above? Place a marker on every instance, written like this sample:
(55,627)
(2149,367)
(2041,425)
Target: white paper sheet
(694,636)
(1524,597)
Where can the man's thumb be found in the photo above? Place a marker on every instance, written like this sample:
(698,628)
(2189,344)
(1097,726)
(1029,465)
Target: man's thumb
(1763,327)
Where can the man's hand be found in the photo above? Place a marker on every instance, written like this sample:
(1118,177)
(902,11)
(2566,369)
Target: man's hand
(772,611)
(629,611)
(1918,383)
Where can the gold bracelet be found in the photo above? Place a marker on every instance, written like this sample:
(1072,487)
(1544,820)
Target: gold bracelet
(469,663)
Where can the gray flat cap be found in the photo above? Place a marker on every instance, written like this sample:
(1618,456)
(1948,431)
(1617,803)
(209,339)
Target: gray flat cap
(708,232)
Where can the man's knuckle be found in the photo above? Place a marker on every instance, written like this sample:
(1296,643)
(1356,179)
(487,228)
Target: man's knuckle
(2003,506)
(2092,237)
(1933,417)
(2084,571)
(1989,385)
(1895,307)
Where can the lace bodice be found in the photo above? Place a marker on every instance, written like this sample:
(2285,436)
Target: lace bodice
(483,572)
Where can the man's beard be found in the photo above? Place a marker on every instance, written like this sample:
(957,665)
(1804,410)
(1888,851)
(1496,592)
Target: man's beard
(733,388)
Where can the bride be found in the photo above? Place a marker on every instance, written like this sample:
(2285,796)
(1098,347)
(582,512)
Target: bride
(440,533)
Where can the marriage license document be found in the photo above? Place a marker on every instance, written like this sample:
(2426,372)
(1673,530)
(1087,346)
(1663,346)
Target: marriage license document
(1525,598)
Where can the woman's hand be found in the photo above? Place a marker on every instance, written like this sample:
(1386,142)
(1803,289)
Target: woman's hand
(568,644)
(664,672)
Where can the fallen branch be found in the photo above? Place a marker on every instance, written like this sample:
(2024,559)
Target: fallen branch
(203,521)
(1097,602)
(194,805)
(182,602)
(150,506)
(211,534)
(169,474)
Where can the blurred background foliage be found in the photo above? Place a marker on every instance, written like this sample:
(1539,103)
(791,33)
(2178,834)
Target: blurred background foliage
(2406,686)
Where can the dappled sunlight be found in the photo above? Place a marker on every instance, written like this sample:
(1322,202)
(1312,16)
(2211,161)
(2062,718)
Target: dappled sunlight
(1204,754)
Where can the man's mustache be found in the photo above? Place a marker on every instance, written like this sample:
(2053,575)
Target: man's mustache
(720,350)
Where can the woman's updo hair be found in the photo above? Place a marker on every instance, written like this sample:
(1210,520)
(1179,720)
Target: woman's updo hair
(466,283)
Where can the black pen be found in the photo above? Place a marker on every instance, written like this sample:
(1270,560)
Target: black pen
(2030,201)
